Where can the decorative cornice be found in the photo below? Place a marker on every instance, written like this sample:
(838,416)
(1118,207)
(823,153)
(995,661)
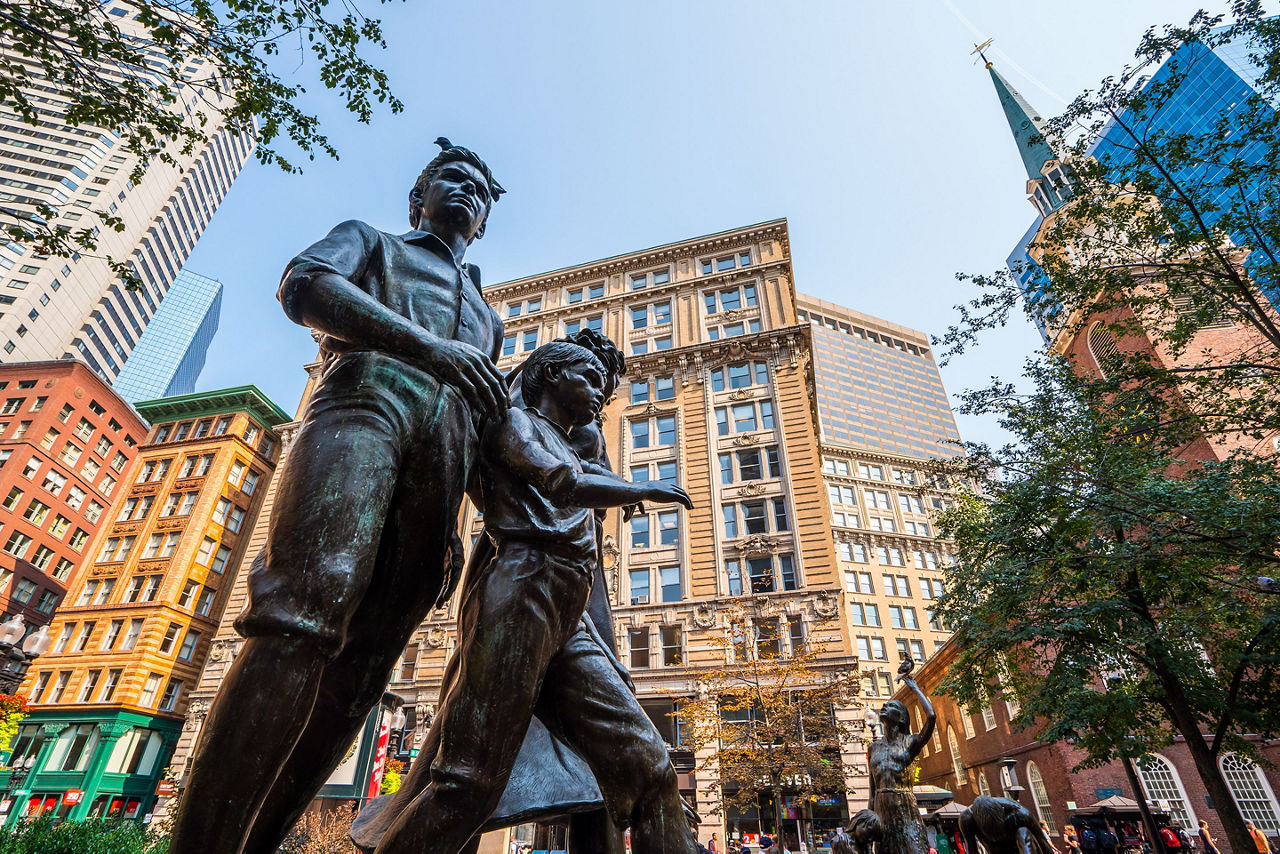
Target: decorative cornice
(647,258)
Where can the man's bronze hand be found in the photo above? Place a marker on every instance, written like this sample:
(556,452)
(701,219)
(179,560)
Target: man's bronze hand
(470,372)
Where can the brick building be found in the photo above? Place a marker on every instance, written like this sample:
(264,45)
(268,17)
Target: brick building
(970,747)
(109,698)
(66,441)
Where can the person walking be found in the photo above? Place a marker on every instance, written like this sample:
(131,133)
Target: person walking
(713,845)
(1207,845)
(1259,838)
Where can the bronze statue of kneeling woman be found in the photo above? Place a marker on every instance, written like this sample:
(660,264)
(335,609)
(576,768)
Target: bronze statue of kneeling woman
(889,762)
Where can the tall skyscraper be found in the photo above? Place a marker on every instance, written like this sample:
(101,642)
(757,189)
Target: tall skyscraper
(108,699)
(76,307)
(822,524)
(1213,84)
(171,352)
(878,386)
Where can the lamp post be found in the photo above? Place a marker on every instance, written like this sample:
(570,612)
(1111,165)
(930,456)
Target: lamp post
(15,661)
(872,720)
(17,776)
(395,741)
(1009,779)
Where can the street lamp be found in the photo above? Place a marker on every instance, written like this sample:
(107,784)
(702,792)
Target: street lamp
(872,720)
(395,740)
(18,772)
(1009,779)
(15,661)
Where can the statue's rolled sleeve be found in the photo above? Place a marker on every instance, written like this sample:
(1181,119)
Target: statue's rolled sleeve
(343,252)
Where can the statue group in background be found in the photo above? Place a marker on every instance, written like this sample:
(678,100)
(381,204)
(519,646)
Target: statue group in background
(409,413)
(893,825)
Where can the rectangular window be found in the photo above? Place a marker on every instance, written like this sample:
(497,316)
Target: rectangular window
(220,558)
(669,578)
(135,629)
(668,529)
(733,576)
(672,647)
(112,633)
(170,638)
(639,392)
(666,430)
(640,434)
(149,690)
(640,531)
(639,586)
(638,644)
(205,554)
(188,594)
(205,602)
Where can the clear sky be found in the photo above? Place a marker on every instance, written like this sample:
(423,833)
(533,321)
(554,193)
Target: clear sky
(617,126)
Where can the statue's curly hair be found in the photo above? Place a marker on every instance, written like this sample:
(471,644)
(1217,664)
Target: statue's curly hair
(603,348)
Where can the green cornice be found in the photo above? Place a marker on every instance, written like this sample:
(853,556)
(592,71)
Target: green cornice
(100,715)
(245,398)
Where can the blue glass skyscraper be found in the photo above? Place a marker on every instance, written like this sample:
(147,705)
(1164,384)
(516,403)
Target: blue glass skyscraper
(1214,83)
(171,353)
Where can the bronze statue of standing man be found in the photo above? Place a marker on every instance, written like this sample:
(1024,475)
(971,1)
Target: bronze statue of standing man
(362,541)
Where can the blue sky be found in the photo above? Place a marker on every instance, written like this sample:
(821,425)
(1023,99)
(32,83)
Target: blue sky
(620,126)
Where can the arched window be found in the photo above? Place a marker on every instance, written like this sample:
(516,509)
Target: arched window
(966,720)
(957,761)
(1252,792)
(984,788)
(1041,796)
(1163,784)
(1103,349)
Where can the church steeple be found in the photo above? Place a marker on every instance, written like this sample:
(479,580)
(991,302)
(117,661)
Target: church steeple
(1047,176)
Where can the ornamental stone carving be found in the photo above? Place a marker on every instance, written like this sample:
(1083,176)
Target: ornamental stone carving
(752,489)
(757,544)
(704,616)
(224,649)
(749,439)
(436,637)
(826,606)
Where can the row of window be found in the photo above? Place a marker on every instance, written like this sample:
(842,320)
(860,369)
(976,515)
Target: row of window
(24,590)
(642,317)
(872,471)
(900,616)
(95,689)
(55,480)
(765,574)
(872,648)
(887,524)
(136,752)
(894,585)
(181,431)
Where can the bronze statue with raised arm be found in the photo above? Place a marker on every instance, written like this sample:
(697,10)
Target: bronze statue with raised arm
(362,541)
(889,763)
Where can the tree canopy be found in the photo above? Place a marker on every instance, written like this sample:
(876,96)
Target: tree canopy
(138,66)
(767,722)
(1112,585)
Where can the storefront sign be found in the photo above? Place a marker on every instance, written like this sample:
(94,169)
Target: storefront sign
(72,797)
(166,789)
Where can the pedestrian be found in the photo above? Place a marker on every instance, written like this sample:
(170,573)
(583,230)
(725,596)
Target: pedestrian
(713,846)
(1259,838)
(1070,840)
(1206,840)
(1044,828)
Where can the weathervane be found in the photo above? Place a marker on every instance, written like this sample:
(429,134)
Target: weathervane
(979,48)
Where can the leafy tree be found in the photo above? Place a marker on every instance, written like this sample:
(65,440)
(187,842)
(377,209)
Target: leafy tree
(767,721)
(138,72)
(1113,586)
(13,708)
(1166,232)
